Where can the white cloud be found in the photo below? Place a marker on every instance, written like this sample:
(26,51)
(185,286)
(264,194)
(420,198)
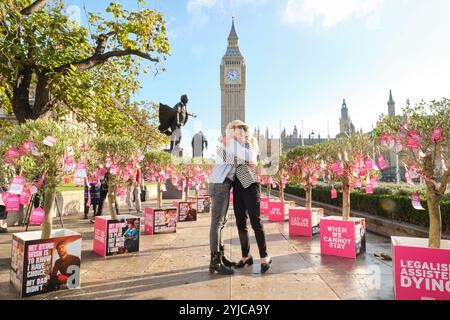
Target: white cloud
(332,12)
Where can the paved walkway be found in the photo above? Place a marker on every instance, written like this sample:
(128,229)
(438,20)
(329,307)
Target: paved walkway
(175,266)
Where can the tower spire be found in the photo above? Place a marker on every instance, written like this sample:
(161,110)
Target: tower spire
(233,34)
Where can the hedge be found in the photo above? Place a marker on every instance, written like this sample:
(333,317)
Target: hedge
(395,207)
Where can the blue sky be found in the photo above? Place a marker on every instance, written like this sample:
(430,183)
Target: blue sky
(303,58)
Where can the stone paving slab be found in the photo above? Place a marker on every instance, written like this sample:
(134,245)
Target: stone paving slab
(175,266)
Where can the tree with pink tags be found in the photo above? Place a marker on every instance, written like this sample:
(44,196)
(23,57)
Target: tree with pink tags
(421,137)
(348,161)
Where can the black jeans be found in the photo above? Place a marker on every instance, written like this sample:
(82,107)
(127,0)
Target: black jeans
(103,195)
(246,204)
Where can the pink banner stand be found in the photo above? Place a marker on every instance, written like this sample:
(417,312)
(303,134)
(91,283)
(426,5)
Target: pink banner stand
(264,205)
(279,211)
(37,266)
(420,273)
(304,223)
(148,221)
(342,238)
(115,237)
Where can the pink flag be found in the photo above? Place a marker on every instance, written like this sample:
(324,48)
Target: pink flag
(382,163)
(416,202)
(25,197)
(437,135)
(37,217)
(12,203)
(333,193)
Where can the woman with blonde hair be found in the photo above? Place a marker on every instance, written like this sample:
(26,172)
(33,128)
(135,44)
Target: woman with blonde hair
(247,198)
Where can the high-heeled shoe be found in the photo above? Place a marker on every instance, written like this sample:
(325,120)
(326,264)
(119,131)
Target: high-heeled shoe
(242,264)
(266,266)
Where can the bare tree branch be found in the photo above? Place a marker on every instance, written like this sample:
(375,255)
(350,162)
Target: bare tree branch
(95,60)
(38,4)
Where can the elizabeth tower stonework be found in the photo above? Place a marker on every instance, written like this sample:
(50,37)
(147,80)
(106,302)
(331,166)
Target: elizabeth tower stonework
(232,81)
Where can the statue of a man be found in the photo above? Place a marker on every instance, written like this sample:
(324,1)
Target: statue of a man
(172,119)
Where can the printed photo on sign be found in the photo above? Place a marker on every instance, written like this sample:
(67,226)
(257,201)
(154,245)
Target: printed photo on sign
(203,205)
(46,265)
(165,221)
(187,211)
(123,236)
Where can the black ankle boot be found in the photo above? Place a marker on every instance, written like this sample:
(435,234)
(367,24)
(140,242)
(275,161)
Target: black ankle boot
(216,265)
(225,260)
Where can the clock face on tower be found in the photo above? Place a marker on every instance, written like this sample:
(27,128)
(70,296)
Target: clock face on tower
(233,75)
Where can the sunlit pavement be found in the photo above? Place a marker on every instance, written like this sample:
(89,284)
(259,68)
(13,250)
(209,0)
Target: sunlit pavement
(175,266)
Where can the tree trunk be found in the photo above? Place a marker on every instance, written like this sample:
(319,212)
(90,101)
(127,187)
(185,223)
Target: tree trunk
(49,201)
(112,201)
(186,192)
(434,211)
(196,193)
(345,200)
(269,188)
(282,194)
(308,192)
(159,196)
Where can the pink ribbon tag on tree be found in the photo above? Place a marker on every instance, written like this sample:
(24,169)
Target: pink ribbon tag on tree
(369,188)
(12,154)
(37,217)
(17,185)
(81,171)
(382,163)
(333,193)
(12,203)
(368,164)
(437,135)
(413,141)
(416,202)
(49,141)
(25,197)
(114,169)
(108,162)
(102,173)
(26,147)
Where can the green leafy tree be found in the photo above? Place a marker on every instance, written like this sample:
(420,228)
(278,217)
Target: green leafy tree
(421,136)
(72,68)
(156,163)
(305,167)
(43,160)
(345,159)
(122,151)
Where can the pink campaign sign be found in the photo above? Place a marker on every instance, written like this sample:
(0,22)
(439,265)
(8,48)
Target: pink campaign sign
(421,273)
(100,245)
(148,226)
(17,185)
(337,238)
(12,202)
(25,197)
(276,211)
(300,223)
(37,217)
(264,206)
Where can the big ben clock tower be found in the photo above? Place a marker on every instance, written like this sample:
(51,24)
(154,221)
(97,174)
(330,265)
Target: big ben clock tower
(233,81)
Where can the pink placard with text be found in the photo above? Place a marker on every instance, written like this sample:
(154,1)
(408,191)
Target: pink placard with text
(276,211)
(264,205)
(421,273)
(300,222)
(100,238)
(337,238)
(37,217)
(25,197)
(148,225)
(12,203)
